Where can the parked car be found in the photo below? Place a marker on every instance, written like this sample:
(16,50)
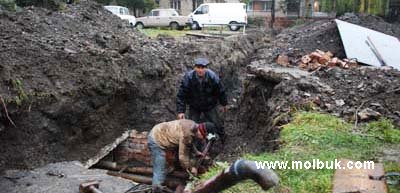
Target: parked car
(232,14)
(162,18)
(122,12)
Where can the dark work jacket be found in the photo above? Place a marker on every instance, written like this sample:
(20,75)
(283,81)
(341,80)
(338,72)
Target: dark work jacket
(202,96)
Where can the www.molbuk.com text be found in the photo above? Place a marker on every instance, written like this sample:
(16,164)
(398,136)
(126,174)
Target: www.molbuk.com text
(314,164)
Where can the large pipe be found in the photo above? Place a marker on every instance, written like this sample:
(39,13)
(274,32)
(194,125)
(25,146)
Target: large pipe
(239,171)
(133,177)
(170,182)
(137,170)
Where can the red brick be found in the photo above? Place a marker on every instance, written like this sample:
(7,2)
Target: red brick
(306,59)
(282,60)
(333,62)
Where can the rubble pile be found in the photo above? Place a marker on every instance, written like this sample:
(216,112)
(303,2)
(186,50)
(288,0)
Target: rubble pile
(319,59)
(368,93)
(342,87)
(271,93)
(323,34)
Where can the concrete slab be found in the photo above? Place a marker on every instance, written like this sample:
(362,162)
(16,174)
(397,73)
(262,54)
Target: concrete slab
(368,46)
(63,177)
(359,180)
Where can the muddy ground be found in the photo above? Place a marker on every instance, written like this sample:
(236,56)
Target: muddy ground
(62,177)
(74,80)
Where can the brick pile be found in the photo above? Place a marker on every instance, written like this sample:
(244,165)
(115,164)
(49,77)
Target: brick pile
(134,150)
(318,59)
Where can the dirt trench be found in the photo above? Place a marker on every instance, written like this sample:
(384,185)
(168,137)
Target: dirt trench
(74,80)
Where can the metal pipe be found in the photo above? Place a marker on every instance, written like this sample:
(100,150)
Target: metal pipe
(133,177)
(93,189)
(137,170)
(170,182)
(239,171)
(106,164)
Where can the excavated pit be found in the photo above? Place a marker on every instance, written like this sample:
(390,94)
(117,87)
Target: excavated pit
(85,78)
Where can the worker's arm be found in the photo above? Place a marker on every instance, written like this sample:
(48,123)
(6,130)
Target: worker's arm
(184,149)
(182,95)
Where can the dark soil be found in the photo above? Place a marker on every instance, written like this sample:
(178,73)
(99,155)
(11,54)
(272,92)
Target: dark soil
(377,89)
(75,79)
(269,96)
(323,35)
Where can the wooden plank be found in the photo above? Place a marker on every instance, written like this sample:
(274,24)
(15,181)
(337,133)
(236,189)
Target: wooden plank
(359,180)
(204,35)
(106,150)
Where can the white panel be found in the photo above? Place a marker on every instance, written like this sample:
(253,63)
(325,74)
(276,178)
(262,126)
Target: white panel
(354,40)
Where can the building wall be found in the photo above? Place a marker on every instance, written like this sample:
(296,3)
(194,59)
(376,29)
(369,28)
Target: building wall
(257,10)
(186,7)
(164,4)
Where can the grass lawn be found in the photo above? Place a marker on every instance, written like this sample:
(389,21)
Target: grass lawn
(314,135)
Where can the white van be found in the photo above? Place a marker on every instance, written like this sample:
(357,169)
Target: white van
(122,12)
(219,14)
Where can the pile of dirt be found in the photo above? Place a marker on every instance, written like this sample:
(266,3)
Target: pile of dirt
(67,78)
(74,80)
(322,34)
(377,88)
(271,92)
(362,90)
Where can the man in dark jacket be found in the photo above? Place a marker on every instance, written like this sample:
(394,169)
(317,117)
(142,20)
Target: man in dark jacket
(202,90)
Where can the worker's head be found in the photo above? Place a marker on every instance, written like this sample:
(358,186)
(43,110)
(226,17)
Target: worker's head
(200,66)
(199,131)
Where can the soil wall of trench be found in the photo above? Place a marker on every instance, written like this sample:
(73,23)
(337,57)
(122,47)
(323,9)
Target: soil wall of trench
(74,80)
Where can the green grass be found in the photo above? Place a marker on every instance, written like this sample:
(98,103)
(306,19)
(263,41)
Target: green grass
(314,135)
(154,32)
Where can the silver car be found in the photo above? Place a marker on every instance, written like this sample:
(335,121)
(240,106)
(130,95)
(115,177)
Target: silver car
(162,18)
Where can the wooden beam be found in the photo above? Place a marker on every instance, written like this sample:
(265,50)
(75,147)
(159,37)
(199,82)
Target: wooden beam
(106,150)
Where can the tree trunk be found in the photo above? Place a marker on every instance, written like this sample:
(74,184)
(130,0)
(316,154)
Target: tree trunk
(356,6)
(272,14)
(334,6)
